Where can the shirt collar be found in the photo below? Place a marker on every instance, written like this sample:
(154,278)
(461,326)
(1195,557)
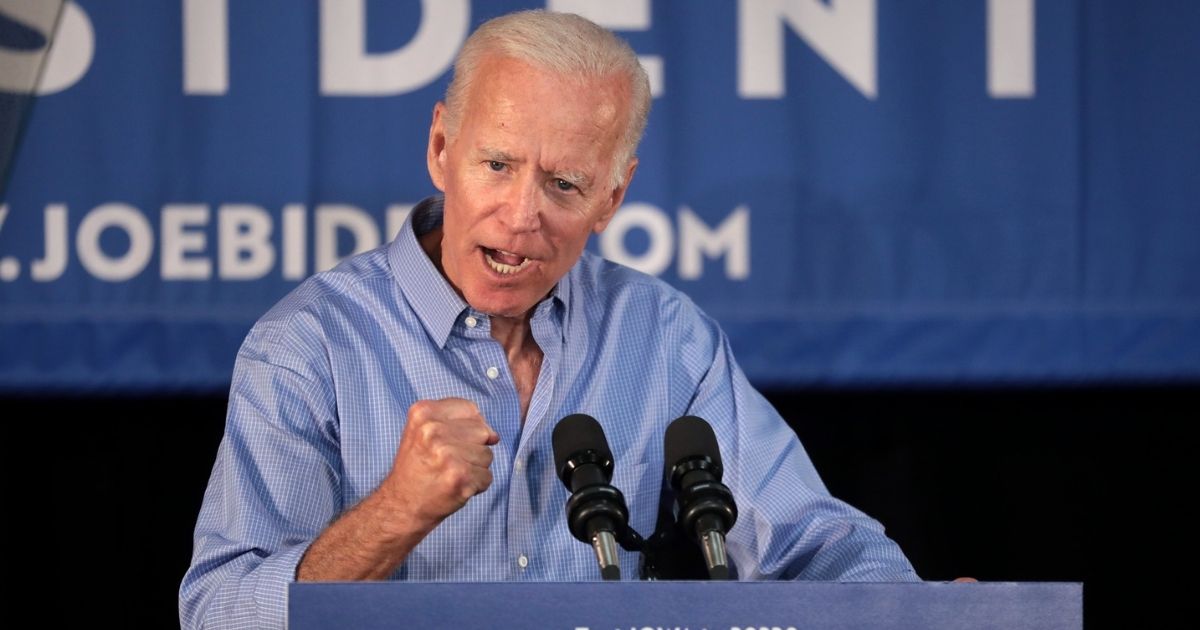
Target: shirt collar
(427,291)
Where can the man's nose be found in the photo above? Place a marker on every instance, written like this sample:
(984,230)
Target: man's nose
(521,211)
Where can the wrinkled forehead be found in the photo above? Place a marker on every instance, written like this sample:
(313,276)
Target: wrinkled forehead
(515,104)
(604,98)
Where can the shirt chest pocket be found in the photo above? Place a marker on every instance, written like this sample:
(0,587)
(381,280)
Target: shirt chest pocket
(641,483)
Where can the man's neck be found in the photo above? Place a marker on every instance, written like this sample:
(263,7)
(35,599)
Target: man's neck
(524,355)
(514,334)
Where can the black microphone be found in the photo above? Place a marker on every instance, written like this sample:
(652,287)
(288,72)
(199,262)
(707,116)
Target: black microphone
(596,512)
(705,510)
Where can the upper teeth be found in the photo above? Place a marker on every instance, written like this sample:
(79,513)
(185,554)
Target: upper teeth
(503,268)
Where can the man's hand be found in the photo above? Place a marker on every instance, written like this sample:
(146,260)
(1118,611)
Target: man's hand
(443,460)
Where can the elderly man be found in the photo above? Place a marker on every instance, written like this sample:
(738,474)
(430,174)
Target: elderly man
(391,418)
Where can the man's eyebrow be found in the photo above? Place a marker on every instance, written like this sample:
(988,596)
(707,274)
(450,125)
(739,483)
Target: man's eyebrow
(497,154)
(578,178)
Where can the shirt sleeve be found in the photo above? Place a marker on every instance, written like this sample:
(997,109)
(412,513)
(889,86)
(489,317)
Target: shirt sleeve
(789,526)
(275,486)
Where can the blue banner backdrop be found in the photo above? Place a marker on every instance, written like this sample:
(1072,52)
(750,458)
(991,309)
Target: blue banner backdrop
(861,192)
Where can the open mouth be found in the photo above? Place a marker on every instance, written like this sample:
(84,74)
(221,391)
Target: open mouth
(505,263)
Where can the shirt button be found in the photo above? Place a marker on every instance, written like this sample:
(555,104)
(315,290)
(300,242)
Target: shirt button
(471,322)
(492,372)
(519,466)
(522,561)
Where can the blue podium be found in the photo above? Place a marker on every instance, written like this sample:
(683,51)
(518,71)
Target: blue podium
(680,605)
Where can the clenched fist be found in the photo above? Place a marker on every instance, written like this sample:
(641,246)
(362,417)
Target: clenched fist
(442,460)
(441,463)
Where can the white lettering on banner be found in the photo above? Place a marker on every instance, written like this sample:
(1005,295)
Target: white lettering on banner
(622,15)
(294,241)
(54,262)
(10,267)
(655,223)
(334,217)
(177,242)
(841,31)
(119,216)
(70,54)
(247,249)
(731,238)
(20,66)
(1010,48)
(205,46)
(348,69)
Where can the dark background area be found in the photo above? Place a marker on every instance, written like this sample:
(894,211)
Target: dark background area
(1087,485)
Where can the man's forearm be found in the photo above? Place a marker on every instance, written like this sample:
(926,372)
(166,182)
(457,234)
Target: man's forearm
(366,543)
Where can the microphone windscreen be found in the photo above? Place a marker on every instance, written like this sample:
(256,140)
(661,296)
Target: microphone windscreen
(575,433)
(690,437)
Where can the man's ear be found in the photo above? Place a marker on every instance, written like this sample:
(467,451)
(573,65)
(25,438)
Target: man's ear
(435,153)
(615,199)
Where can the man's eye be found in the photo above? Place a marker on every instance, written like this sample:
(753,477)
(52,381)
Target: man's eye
(564,185)
(495,166)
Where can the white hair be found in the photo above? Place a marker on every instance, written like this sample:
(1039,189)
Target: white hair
(565,44)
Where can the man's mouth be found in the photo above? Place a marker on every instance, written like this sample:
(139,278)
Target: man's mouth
(505,263)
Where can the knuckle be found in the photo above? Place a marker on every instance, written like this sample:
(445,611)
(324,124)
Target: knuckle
(419,410)
(456,478)
(441,454)
(469,489)
(463,407)
(429,432)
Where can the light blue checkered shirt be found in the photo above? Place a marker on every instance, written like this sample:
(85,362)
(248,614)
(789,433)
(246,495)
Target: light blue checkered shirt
(324,380)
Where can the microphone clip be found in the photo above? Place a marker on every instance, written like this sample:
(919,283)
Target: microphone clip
(597,506)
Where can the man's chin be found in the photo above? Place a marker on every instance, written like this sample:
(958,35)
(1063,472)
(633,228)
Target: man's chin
(508,307)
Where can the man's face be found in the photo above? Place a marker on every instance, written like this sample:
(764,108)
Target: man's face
(527,177)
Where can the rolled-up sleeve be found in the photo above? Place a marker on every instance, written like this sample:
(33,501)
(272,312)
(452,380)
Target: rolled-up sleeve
(274,487)
(789,526)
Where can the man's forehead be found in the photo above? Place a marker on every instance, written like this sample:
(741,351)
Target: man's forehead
(496,75)
(519,112)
